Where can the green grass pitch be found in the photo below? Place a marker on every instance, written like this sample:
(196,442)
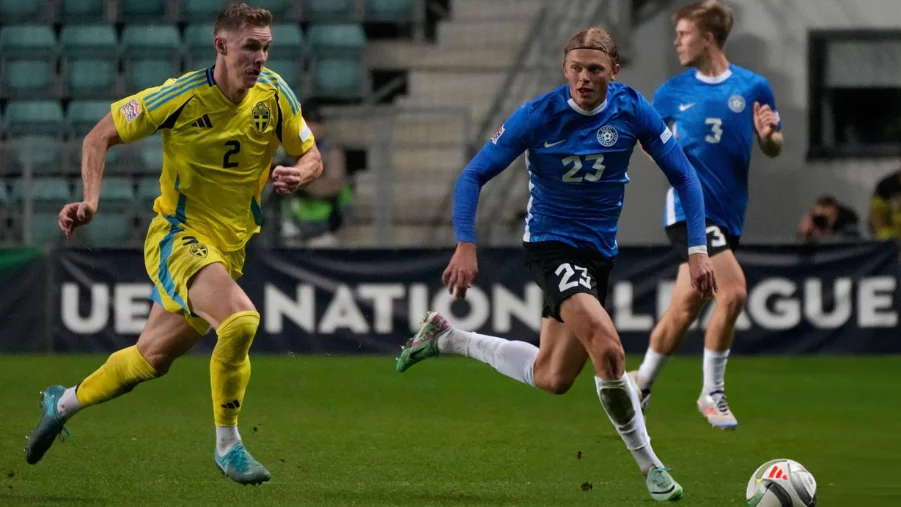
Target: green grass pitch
(352,431)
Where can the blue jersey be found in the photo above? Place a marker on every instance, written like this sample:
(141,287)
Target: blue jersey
(713,119)
(578,162)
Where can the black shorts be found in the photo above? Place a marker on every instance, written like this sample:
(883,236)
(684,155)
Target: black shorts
(562,270)
(717,240)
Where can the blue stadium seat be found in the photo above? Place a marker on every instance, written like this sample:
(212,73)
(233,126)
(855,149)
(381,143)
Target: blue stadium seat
(46,192)
(22,38)
(344,37)
(142,11)
(82,115)
(83,11)
(150,154)
(389,10)
(34,117)
(289,70)
(141,74)
(29,78)
(329,10)
(105,230)
(40,152)
(148,191)
(88,40)
(155,38)
(287,42)
(21,11)
(338,77)
(45,229)
(199,50)
(91,77)
(196,10)
(117,191)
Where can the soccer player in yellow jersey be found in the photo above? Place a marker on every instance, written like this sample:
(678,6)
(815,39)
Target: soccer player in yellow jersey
(220,127)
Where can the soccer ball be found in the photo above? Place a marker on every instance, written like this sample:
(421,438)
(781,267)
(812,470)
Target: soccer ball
(782,483)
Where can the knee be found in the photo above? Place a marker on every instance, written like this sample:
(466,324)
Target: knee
(607,351)
(159,359)
(235,336)
(554,382)
(733,299)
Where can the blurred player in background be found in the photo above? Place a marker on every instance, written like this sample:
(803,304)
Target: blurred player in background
(578,140)
(714,109)
(221,127)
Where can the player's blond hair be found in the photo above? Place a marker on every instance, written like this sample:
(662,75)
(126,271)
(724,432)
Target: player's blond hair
(709,16)
(593,38)
(237,16)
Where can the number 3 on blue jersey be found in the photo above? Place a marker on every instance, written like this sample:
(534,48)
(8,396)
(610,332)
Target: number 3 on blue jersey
(598,167)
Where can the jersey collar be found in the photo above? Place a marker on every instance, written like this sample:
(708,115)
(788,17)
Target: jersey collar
(575,107)
(713,79)
(209,76)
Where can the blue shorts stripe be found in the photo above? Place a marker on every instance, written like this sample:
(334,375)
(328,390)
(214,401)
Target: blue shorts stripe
(164,274)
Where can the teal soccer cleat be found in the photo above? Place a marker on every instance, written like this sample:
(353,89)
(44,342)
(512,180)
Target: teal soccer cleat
(425,343)
(49,427)
(239,466)
(662,487)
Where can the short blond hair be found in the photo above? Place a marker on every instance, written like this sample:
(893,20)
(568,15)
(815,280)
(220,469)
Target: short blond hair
(237,16)
(593,38)
(709,16)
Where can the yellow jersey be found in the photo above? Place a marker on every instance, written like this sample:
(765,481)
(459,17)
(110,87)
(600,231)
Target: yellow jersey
(216,154)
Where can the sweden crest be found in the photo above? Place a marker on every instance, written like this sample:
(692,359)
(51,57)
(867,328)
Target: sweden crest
(261,116)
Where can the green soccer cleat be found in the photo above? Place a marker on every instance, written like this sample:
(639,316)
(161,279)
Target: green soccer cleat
(425,343)
(662,487)
(239,466)
(49,427)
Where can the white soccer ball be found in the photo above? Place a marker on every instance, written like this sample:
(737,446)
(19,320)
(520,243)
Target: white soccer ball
(782,483)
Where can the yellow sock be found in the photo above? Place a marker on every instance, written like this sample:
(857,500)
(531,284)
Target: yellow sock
(230,366)
(120,374)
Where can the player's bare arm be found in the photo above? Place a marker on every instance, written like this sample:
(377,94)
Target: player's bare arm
(93,157)
(766,124)
(308,167)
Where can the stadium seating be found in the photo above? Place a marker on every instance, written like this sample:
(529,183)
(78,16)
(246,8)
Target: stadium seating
(46,192)
(83,11)
(41,153)
(329,10)
(45,228)
(20,11)
(142,11)
(389,10)
(148,191)
(106,229)
(33,117)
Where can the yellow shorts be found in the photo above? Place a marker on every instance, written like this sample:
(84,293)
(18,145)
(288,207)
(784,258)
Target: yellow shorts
(173,253)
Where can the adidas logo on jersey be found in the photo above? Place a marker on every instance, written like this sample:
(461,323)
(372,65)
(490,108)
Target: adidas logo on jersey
(202,122)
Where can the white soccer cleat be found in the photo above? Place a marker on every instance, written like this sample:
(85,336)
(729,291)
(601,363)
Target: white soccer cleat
(715,408)
(644,396)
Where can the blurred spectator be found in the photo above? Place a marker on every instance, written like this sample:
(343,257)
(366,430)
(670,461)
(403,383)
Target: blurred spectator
(828,220)
(313,215)
(885,208)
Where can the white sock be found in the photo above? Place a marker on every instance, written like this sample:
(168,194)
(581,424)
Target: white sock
(715,370)
(68,404)
(514,359)
(650,368)
(226,438)
(620,401)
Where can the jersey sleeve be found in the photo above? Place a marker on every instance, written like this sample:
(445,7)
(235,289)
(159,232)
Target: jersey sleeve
(653,133)
(662,104)
(512,139)
(765,97)
(296,136)
(140,115)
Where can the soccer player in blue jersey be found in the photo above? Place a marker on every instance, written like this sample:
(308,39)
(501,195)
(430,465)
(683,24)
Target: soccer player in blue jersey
(578,140)
(714,109)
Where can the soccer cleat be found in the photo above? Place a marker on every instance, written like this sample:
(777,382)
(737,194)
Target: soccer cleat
(49,427)
(425,343)
(662,487)
(715,408)
(239,466)
(644,395)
